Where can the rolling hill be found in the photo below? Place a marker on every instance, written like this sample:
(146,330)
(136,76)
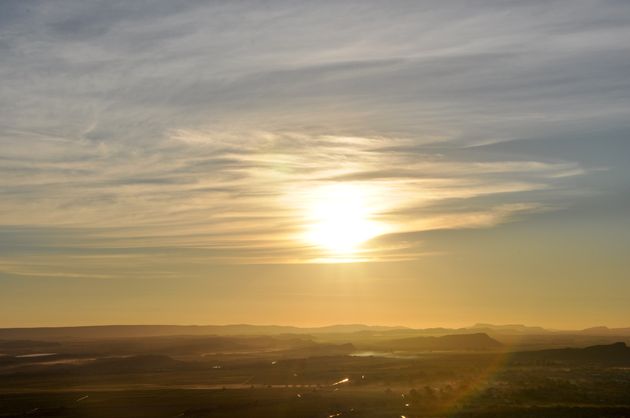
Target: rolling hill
(465,342)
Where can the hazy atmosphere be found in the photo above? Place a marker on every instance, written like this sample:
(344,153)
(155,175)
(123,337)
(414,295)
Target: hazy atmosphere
(420,164)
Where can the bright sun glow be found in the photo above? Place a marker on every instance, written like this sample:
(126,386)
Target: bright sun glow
(340,219)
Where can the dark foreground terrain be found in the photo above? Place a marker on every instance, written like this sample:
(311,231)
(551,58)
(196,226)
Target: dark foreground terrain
(349,373)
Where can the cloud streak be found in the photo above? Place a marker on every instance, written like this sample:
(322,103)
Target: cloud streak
(201,129)
(245,194)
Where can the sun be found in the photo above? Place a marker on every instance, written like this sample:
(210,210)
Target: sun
(340,219)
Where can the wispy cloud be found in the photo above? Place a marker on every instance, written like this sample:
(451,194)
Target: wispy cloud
(201,129)
(245,195)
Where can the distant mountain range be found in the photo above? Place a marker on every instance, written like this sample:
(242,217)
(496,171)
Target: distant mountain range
(611,354)
(509,329)
(475,342)
(606,331)
(124,331)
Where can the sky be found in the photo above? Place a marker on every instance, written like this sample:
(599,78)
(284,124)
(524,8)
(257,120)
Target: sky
(418,163)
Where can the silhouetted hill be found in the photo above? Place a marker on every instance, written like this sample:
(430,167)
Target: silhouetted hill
(124,331)
(193,344)
(479,341)
(346,328)
(319,350)
(176,345)
(617,353)
(601,330)
(511,334)
(509,329)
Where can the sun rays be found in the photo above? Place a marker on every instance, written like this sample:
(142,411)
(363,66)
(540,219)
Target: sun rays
(341,219)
